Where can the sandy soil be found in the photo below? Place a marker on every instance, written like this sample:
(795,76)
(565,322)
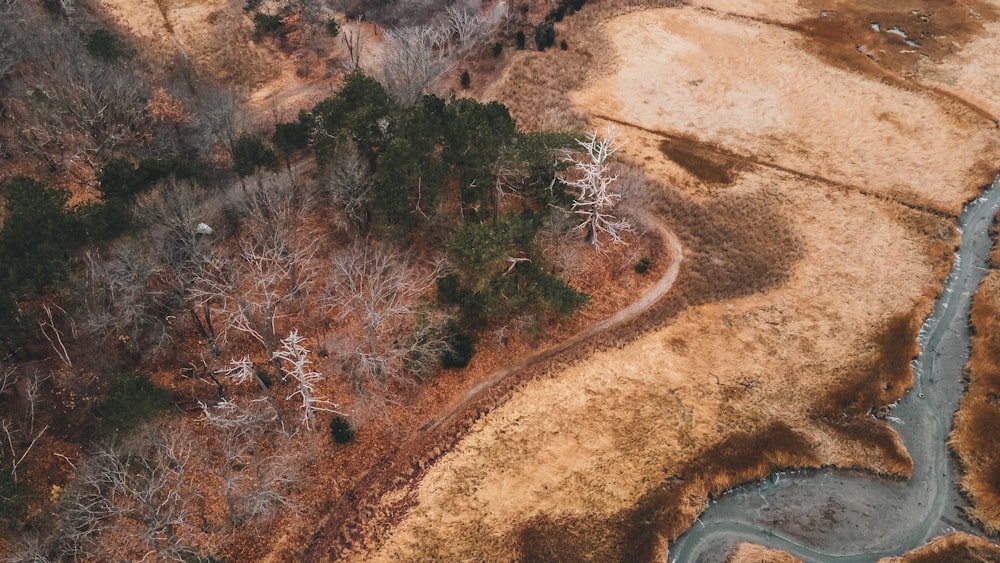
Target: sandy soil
(866,173)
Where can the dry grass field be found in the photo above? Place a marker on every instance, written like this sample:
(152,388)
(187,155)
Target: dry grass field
(815,194)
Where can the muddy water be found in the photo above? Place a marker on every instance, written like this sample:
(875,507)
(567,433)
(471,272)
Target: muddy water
(833,515)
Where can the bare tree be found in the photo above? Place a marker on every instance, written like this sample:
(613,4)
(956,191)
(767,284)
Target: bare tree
(349,184)
(252,290)
(412,58)
(353,39)
(253,483)
(180,251)
(123,300)
(378,291)
(140,493)
(597,200)
(470,28)
(295,357)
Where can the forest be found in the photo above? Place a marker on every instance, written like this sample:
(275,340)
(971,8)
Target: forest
(198,302)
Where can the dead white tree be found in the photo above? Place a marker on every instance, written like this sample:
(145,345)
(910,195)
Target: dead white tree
(377,291)
(295,358)
(52,334)
(596,200)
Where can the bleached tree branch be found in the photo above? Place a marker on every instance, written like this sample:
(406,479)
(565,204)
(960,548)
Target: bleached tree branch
(596,200)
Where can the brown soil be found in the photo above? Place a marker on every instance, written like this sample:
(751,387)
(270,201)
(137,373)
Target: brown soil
(974,437)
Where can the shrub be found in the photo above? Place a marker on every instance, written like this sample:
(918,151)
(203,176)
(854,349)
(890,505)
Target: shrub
(266,24)
(461,347)
(466,80)
(563,45)
(519,39)
(332,27)
(642,266)
(264,376)
(497,49)
(103,45)
(14,499)
(131,400)
(250,153)
(341,430)
(545,35)
(37,236)
(252,5)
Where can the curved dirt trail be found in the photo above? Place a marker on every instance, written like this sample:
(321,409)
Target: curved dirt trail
(347,520)
(659,289)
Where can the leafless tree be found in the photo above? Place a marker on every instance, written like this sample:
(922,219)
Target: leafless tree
(295,357)
(353,39)
(51,333)
(412,58)
(82,111)
(596,200)
(18,424)
(139,492)
(378,290)
(253,482)
(349,185)
(180,251)
(123,300)
(251,291)
(470,28)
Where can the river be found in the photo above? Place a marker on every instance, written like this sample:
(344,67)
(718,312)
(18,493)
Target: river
(847,516)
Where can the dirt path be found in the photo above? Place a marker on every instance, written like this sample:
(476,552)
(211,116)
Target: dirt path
(659,289)
(365,516)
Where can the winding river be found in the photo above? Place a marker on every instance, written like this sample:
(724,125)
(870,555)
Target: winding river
(844,516)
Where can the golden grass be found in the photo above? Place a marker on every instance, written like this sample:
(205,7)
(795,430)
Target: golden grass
(752,553)
(956,547)
(640,533)
(974,435)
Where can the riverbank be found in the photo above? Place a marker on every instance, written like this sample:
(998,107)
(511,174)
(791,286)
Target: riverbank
(974,438)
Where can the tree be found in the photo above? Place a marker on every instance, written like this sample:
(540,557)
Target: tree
(596,200)
(376,292)
(252,480)
(250,153)
(295,357)
(37,236)
(545,35)
(140,492)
